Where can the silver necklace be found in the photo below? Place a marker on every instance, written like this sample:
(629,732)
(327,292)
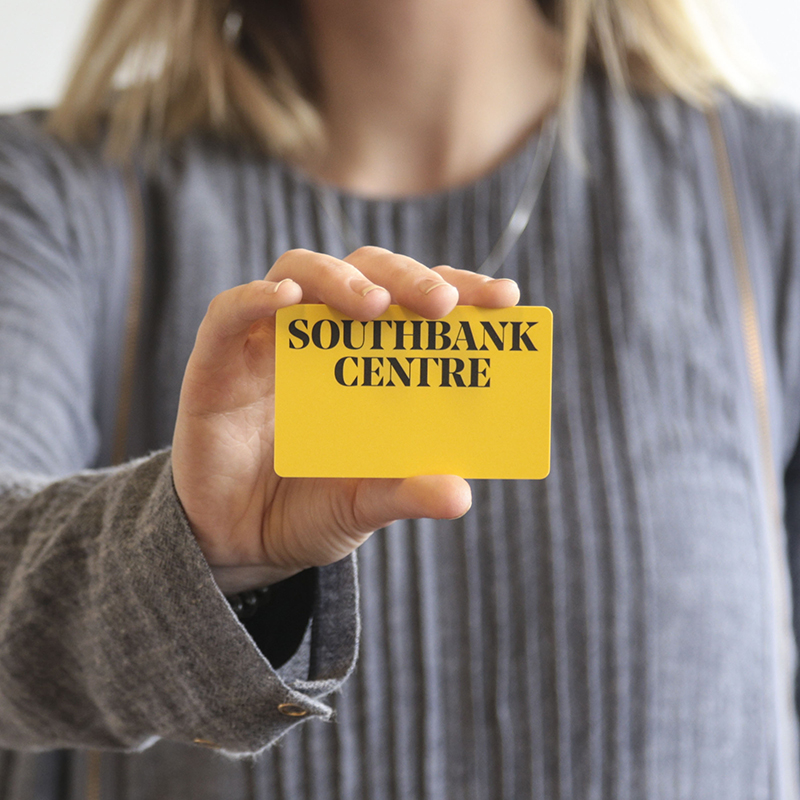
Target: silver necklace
(520,216)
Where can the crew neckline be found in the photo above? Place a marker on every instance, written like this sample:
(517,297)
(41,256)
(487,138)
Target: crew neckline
(515,159)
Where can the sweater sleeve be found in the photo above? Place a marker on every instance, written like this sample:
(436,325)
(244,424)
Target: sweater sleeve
(113,632)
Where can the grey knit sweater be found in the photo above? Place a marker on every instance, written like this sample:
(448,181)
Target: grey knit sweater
(616,631)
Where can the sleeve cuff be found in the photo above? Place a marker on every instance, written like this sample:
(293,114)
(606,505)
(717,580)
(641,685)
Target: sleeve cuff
(180,664)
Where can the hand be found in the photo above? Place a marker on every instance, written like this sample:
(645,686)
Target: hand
(253,526)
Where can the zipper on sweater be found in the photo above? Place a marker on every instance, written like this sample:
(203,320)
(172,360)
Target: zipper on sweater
(133,318)
(119,450)
(93,775)
(749,316)
(786,774)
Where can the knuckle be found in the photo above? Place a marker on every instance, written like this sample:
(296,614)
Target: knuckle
(215,307)
(285,260)
(330,268)
(295,253)
(451,273)
(370,251)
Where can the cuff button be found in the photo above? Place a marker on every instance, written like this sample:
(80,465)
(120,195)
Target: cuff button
(291,710)
(207,743)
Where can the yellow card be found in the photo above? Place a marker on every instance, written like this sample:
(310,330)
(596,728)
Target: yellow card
(466,395)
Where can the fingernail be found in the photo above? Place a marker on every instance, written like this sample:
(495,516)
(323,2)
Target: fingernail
(465,512)
(363,288)
(278,285)
(505,280)
(427,286)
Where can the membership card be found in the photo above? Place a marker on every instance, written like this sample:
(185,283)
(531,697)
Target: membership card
(466,395)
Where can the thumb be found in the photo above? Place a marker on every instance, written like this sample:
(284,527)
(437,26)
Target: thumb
(378,502)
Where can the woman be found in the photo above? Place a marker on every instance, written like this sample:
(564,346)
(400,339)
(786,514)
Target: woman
(617,630)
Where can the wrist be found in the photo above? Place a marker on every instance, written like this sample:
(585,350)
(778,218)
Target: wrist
(233,580)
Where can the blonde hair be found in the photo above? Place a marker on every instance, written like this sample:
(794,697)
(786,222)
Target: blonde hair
(150,71)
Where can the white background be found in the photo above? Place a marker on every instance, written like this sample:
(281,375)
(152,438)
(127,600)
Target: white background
(38,37)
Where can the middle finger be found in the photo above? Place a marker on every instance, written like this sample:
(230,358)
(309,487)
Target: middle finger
(410,283)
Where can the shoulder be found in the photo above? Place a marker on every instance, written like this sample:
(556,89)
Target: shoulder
(65,196)
(769,132)
(667,141)
(29,153)
(767,136)
(764,148)
(672,128)
(65,217)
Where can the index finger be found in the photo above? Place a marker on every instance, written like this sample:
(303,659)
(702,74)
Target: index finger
(329,280)
(411,284)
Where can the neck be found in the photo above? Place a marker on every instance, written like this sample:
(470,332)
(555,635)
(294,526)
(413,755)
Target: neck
(422,95)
